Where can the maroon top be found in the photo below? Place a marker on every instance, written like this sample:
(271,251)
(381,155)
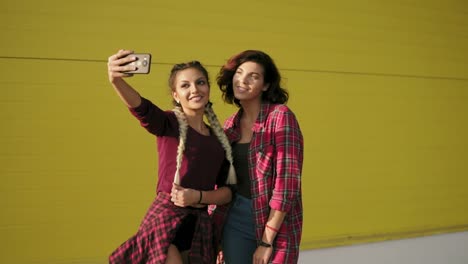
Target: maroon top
(202,165)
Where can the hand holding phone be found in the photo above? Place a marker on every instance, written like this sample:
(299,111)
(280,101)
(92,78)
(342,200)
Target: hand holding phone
(142,63)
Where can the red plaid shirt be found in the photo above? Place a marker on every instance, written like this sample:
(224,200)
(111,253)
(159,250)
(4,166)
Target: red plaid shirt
(275,167)
(158,229)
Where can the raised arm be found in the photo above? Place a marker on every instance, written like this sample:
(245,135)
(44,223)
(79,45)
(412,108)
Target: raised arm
(116,72)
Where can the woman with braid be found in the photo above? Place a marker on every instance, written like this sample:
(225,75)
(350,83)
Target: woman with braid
(195,167)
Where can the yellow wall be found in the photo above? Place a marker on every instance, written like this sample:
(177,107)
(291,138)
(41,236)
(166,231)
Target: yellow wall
(380,89)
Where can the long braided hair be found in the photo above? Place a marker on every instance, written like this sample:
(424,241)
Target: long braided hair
(212,119)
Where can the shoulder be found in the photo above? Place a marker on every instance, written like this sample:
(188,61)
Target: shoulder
(279,110)
(230,121)
(281,116)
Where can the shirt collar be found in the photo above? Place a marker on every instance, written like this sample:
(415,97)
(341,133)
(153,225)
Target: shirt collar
(261,119)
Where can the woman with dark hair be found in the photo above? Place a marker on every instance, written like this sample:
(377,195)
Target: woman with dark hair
(193,159)
(264,221)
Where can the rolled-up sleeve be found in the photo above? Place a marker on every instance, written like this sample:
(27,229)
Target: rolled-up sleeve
(289,157)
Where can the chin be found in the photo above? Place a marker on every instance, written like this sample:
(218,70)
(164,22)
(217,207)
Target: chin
(239,97)
(197,106)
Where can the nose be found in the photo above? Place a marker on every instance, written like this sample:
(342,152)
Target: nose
(243,79)
(194,88)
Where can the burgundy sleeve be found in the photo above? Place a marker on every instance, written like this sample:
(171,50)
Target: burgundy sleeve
(152,118)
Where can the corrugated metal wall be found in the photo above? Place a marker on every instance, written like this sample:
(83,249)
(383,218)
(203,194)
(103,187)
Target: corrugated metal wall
(380,89)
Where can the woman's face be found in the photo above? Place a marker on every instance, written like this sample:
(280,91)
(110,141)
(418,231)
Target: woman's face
(248,82)
(192,90)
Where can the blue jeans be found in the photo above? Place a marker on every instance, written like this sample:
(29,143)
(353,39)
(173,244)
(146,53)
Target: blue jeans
(239,242)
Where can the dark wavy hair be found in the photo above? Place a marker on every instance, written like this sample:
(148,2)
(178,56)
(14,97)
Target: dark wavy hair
(183,66)
(272,76)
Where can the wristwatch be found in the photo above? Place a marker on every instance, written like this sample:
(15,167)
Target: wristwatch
(264,244)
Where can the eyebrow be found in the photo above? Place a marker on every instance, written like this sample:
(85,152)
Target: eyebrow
(198,79)
(253,72)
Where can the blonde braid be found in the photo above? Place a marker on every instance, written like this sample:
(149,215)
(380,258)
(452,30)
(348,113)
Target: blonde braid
(219,132)
(183,126)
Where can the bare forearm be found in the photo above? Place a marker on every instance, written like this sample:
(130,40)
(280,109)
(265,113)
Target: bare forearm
(126,92)
(117,68)
(190,197)
(219,196)
(275,220)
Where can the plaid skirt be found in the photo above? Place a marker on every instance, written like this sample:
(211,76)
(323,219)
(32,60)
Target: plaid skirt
(157,231)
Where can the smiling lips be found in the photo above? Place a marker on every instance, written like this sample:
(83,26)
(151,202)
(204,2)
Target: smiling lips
(196,98)
(241,89)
